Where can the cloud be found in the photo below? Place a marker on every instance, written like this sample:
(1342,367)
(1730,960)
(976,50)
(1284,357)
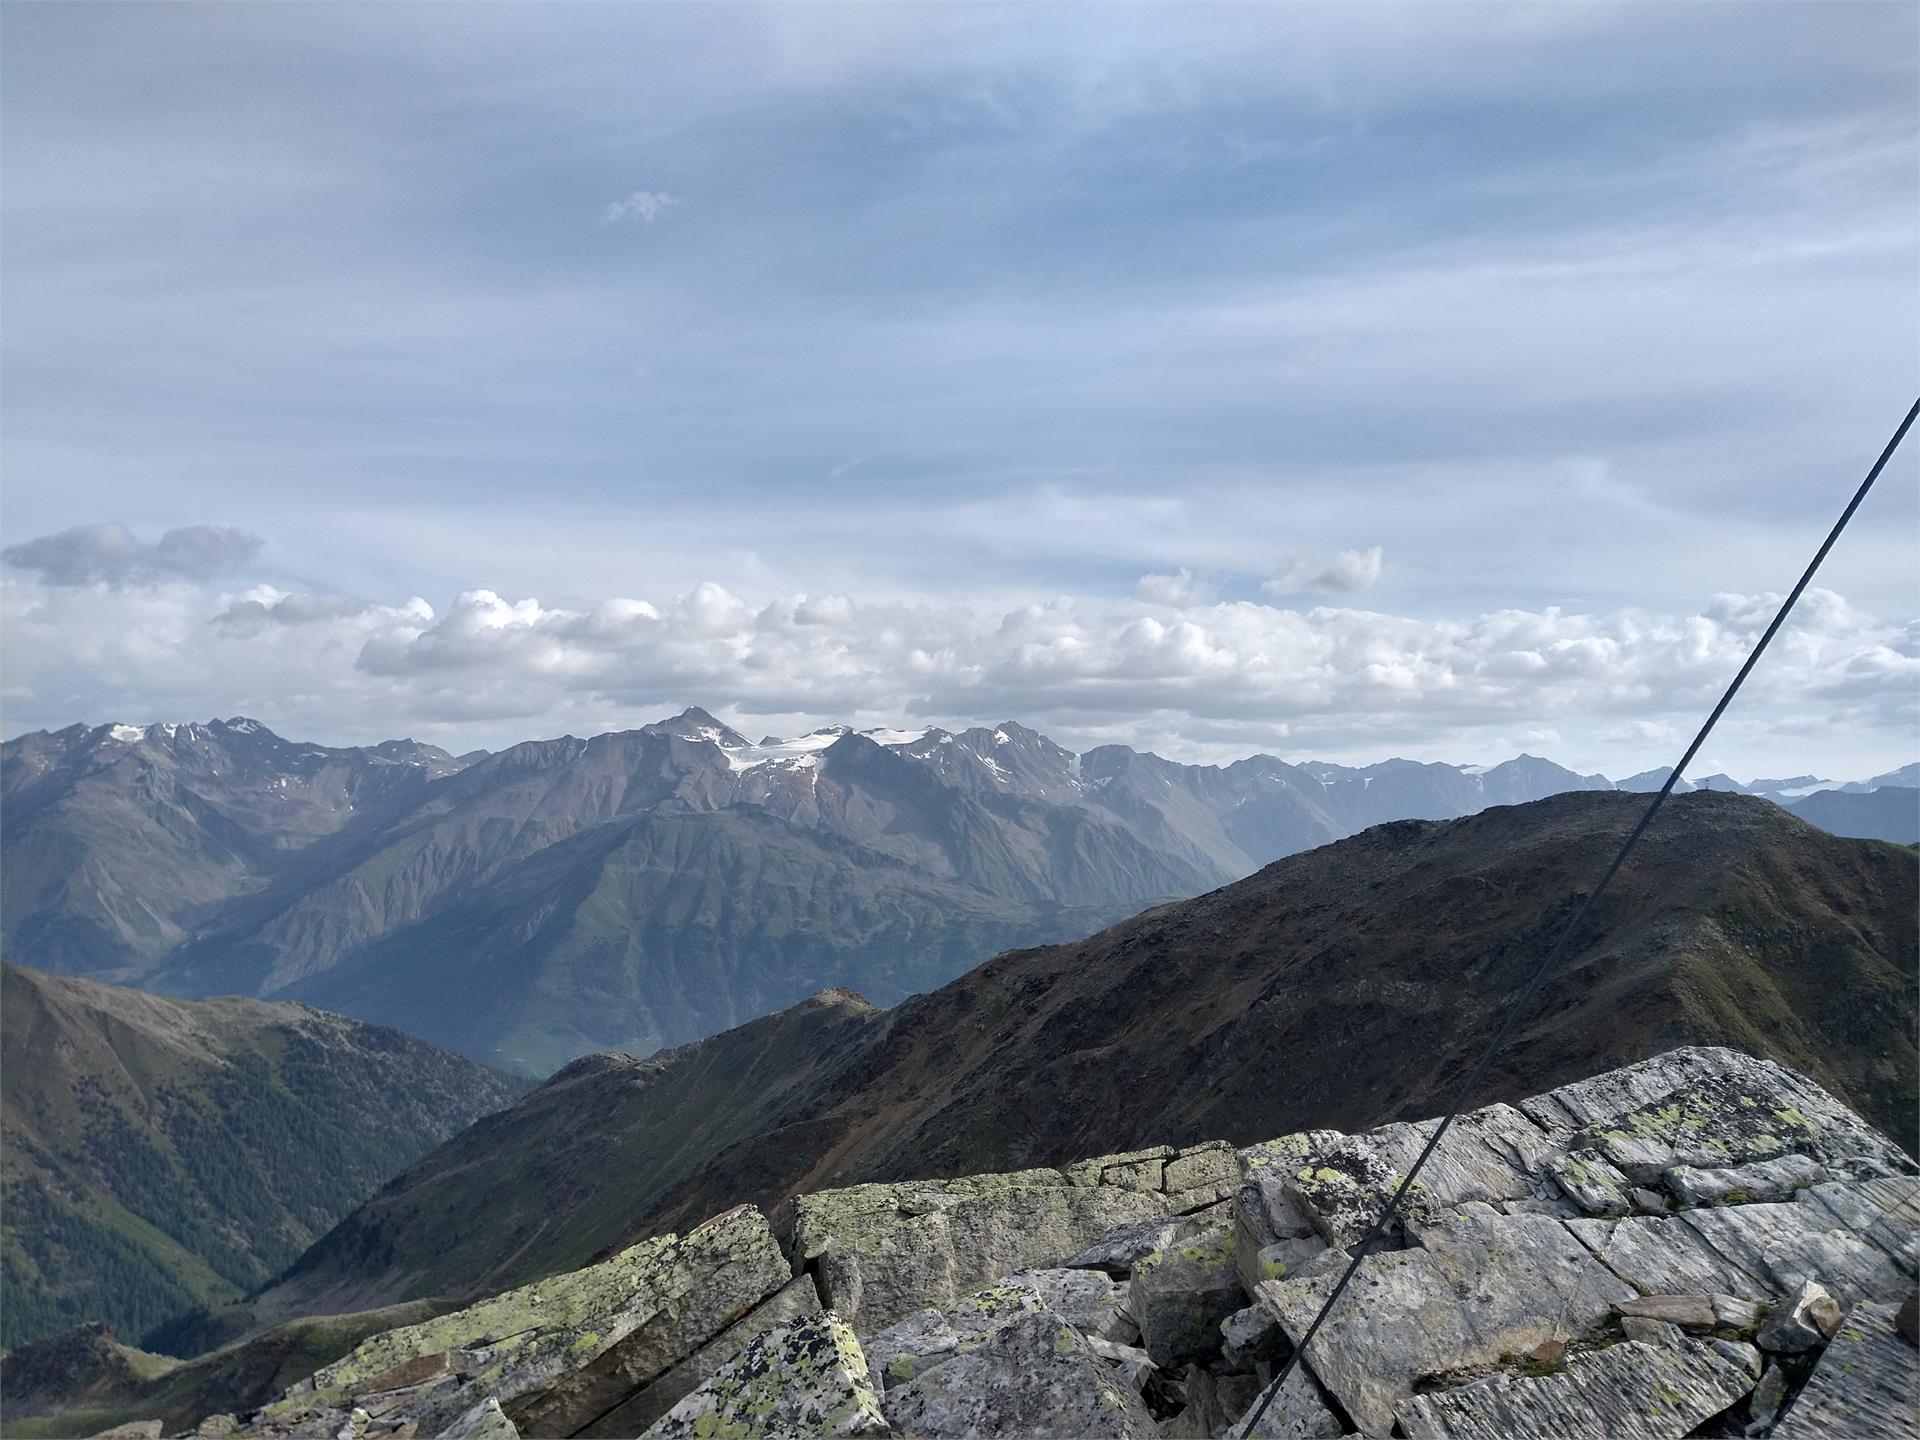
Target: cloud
(1348,571)
(1180,588)
(1195,676)
(646,206)
(111,554)
(264,607)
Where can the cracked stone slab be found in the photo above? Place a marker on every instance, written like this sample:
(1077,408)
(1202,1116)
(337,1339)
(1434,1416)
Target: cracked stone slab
(1296,1413)
(885,1251)
(561,1352)
(1492,1154)
(1776,1179)
(798,1300)
(1709,1107)
(1636,1390)
(1480,1285)
(1086,1299)
(1864,1383)
(804,1379)
(1117,1251)
(1755,1252)
(1035,1376)
(1885,1213)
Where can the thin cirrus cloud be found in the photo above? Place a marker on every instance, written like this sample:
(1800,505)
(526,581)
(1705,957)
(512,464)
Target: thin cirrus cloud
(644,206)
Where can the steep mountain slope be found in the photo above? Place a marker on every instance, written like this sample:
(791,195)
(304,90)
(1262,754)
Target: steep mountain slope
(636,889)
(1890,813)
(161,1154)
(1348,985)
(640,933)
(120,840)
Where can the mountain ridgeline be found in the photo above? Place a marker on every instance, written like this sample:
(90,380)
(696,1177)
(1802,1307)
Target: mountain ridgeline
(1348,985)
(162,1155)
(650,887)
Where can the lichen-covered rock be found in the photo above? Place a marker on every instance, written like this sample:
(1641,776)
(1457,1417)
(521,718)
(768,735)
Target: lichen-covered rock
(1087,1299)
(1479,1285)
(1251,1337)
(1763,1405)
(1272,1235)
(563,1351)
(1179,1297)
(1132,1363)
(1802,1320)
(1755,1252)
(884,1251)
(1117,1250)
(485,1421)
(1636,1390)
(1779,1178)
(1592,1183)
(1711,1108)
(907,1347)
(795,1382)
(796,1301)
(1036,1376)
(1093,1303)
(1863,1384)
(1296,1412)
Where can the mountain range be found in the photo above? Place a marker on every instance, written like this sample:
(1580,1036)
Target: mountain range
(162,1155)
(647,888)
(1349,985)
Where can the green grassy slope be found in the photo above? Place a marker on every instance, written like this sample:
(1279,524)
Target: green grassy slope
(162,1155)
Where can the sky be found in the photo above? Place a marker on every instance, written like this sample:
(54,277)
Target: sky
(1332,381)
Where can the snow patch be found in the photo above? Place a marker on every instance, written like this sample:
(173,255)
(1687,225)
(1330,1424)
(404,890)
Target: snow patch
(891,738)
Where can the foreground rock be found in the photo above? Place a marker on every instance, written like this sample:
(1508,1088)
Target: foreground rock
(808,1378)
(1035,1376)
(1571,1265)
(883,1252)
(558,1355)
(1663,1386)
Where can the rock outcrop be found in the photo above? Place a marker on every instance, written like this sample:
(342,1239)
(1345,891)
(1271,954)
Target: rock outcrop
(1563,1269)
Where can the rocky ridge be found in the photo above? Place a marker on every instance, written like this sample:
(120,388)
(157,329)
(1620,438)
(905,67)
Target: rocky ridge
(1699,1244)
(647,888)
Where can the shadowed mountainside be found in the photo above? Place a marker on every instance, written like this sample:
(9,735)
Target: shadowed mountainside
(1346,986)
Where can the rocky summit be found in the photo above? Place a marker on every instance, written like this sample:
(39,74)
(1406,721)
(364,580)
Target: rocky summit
(1699,1244)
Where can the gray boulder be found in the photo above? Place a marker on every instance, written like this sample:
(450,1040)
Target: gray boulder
(1180,1297)
(1480,1285)
(1035,1376)
(1777,1179)
(1801,1321)
(1657,1389)
(808,1379)
(1863,1383)
(884,1251)
(561,1352)
(1295,1413)
(485,1421)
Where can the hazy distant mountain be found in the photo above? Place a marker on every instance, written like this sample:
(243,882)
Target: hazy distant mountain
(1891,812)
(1346,986)
(636,889)
(164,1154)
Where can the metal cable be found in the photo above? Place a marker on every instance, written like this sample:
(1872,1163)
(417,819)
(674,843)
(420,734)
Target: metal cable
(1519,1005)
